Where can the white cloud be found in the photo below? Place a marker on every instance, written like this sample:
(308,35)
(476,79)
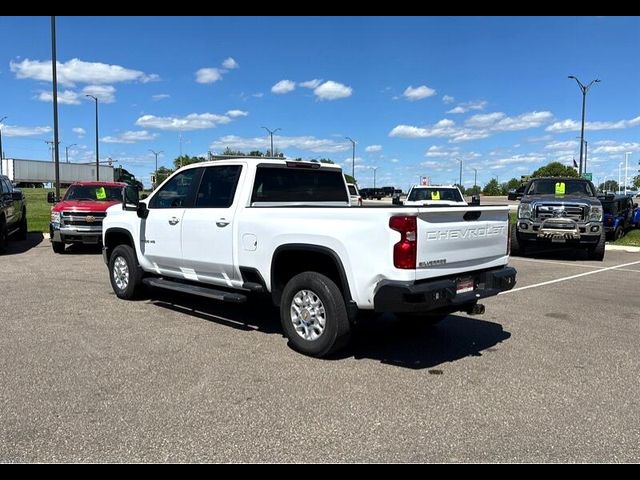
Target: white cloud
(499,122)
(236,113)
(613,147)
(331,90)
(373,148)
(443,128)
(394,160)
(467,106)
(561,145)
(309,143)
(447,99)
(283,86)
(66,97)
(193,121)
(229,63)
(258,95)
(14,131)
(484,120)
(77,71)
(130,136)
(574,126)
(439,151)
(418,93)
(208,75)
(160,96)
(104,93)
(79,131)
(311,83)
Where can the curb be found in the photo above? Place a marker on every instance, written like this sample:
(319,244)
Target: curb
(623,248)
(46,235)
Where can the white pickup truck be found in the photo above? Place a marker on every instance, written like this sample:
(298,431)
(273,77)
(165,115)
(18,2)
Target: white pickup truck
(228,229)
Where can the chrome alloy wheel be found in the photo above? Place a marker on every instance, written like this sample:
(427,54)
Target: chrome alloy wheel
(121,273)
(308,315)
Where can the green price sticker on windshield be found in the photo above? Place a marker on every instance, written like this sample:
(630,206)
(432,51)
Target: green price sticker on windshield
(560,188)
(435,195)
(101,194)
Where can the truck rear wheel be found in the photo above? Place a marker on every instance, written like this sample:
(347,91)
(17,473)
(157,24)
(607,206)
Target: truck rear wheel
(518,247)
(314,315)
(58,247)
(125,273)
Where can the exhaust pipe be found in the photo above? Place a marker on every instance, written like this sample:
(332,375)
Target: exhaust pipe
(476,309)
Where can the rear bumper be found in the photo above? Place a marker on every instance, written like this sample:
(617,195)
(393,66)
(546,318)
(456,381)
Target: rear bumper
(440,294)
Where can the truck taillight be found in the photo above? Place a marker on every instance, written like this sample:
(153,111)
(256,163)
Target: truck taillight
(404,252)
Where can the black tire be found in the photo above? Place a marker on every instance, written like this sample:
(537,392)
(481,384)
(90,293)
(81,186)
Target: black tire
(618,233)
(596,252)
(22,231)
(58,247)
(128,287)
(421,319)
(4,236)
(337,328)
(518,247)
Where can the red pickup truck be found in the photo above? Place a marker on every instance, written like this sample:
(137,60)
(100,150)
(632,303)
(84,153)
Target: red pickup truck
(77,218)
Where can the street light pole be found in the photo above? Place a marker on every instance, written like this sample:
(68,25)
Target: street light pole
(626,166)
(155,175)
(1,151)
(619,179)
(460,181)
(584,89)
(66,150)
(97,146)
(54,88)
(475,178)
(353,158)
(271,132)
(374,178)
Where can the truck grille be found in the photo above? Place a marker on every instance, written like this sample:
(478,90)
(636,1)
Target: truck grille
(82,219)
(570,212)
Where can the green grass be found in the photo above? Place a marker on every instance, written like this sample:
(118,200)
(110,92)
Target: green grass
(632,238)
(38,210)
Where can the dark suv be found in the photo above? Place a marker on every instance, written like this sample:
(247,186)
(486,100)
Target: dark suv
(13,212)
(619,214)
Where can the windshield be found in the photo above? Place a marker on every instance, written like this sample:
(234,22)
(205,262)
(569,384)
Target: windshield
(94,193)
(435,193)
(560,187)
(352,190)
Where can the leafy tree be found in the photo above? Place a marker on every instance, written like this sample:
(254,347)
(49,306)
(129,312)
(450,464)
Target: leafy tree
(475,190)
(608,186)
(349,178)
(555,169)
(636,182)
(513,183)
(256,153)
(492,188)
(230,151)
(183,160)
(161,174)
(326,160)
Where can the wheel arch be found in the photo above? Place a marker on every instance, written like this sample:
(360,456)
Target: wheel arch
(117,236)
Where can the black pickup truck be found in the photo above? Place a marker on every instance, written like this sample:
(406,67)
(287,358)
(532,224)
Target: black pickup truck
(13,212)
(559,211)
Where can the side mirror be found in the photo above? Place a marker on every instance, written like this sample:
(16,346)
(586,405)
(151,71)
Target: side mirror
(475,200)
(396,200)
(17,195)
(130,199)
(51,197)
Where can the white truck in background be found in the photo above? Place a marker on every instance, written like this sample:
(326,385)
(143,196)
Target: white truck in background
(228,229)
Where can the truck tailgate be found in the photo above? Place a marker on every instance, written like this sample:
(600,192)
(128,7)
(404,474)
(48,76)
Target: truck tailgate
(460,238)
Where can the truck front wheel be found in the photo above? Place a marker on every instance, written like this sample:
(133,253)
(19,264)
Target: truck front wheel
(314,315)
(596,252)
(124,272)
(58,247)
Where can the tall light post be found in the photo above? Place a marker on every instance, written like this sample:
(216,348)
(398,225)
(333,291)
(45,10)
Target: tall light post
(619,179)
(475,178)
(66,151)
(1,151)
(97,146)
(353,157)
(155,175)
(460,181)
(584,89)
(271,132)
(54,88)
(374,177)
(626,166)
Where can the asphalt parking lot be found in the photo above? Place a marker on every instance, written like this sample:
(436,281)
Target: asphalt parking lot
(549,374)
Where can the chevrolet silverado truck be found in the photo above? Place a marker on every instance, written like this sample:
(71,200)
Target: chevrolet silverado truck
(227,229)
(77,218)
(434,195)
(559,211)
(13,213)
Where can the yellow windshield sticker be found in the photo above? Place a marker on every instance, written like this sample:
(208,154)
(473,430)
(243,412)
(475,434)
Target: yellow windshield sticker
(435,195)
(101,194)
(560,188)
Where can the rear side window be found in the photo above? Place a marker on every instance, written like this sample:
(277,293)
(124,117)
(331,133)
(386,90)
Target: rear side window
(298,185)
(352,190)
(218,186)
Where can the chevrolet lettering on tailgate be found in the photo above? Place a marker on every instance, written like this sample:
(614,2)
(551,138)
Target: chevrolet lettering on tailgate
(470,232)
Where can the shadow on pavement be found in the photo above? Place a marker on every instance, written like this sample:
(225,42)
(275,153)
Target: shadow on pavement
(417,346)
(380,338)
(15,247)
(83,249)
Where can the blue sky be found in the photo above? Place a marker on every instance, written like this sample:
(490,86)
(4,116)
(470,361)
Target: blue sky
(417,94)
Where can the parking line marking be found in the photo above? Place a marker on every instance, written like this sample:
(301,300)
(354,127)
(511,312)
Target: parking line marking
(550,282)
(553,263)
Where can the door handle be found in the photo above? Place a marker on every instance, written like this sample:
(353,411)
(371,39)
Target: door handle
(173,221)
(222,222)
